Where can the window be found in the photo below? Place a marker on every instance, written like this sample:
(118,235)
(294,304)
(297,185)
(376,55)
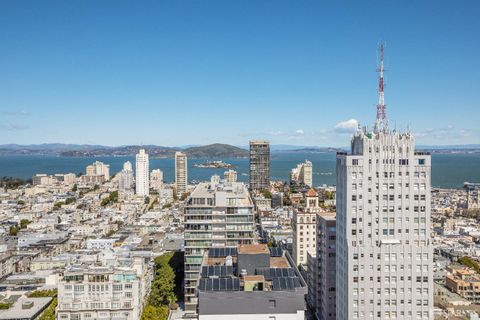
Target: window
(272,304)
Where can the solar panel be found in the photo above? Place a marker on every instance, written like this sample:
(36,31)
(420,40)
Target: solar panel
(222,252)
(276,252)
(285,283)
(217,271)
(270,273)
(219,284)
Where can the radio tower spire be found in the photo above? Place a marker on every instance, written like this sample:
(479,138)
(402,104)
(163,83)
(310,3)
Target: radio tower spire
(381,122)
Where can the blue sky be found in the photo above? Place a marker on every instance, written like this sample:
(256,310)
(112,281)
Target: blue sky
(199,72)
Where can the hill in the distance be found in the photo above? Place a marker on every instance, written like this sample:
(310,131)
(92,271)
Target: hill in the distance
(209,151)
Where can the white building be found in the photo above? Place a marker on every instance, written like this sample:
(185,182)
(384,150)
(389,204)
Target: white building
(383,229)
(156,179)
(181,172)
(114,289)
(384,251)
(125,177)
(142,171)
(302,173)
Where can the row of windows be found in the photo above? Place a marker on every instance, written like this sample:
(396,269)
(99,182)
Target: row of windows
(391,280)
(391,314)
(393,256)
(393,268)
(392,291)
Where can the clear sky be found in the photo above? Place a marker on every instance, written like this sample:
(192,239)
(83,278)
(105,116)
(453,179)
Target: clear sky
(199,72)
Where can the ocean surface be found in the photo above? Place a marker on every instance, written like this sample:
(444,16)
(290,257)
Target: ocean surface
(448,170)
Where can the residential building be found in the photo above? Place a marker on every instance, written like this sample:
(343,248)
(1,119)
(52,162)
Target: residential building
(230,176)
(383,228)
(250,282)
(156,179)
(217,215)
(141,173)
(99,169)
(384,254)
(473,195)
(302,174)
(181,172)
(125,177)
(112,288)
(304,235)
(259,165)
(325,273)
(41,179)
(463,281)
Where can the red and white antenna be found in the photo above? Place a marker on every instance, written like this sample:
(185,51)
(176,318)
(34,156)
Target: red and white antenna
(381,122)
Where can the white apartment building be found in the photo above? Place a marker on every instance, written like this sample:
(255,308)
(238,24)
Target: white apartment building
(303,173)
(156,179)
(125,177)
(116,289)
(384,251)
(142,171)
(181,172)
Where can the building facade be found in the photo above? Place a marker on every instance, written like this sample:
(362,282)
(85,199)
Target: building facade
(326,264)
(259,165)
(142,173)
(103,292)
(217,215)
(125,177)
(304,235)
(156,179)
(99,169)
(181,172)
(473,195)
(230,176)
(302,174)
(384,251)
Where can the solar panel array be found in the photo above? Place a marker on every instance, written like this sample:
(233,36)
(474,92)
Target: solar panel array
(217,271)
(276,252)
(272,273)
(284,283)
(222,252)
(220,284)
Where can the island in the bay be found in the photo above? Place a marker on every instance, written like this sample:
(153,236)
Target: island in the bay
(213,165)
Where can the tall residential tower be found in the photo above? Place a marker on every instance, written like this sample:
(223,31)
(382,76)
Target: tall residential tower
(181,172)
(384,250)
(259,165)
(142,172)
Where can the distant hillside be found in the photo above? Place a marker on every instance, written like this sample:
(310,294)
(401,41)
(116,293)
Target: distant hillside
(209,151)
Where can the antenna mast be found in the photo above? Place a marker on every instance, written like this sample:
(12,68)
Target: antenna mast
(381,122)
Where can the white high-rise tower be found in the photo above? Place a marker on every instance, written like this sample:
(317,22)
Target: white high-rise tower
(142,172)
(383,247)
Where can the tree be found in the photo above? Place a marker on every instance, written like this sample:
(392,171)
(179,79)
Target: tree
(21,202)
(13,231)
(154,313)
(147,200)
(75,188)
(184,196)
(49,313)
(267,194)
(70,200)
(24,223)
(96,187)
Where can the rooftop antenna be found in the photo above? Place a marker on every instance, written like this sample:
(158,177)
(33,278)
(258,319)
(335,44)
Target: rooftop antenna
(381,122)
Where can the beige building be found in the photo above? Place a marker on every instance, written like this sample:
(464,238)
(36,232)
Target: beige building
(304,235)
(464,281)
(230,176)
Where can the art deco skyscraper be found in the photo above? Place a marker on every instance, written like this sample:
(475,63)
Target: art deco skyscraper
(142,172)
(384,250)
(259,165)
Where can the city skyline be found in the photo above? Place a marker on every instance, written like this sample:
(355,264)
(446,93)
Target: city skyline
(69,78)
